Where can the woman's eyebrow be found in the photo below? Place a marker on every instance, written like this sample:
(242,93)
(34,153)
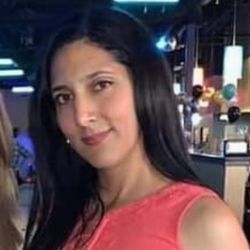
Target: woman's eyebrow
(58,88)
(90,76)
(93,75)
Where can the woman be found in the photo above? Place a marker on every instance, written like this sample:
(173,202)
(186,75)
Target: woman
(10,237)
(113,169)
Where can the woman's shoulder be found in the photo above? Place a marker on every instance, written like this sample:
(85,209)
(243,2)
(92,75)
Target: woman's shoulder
(185,194)
(210,224)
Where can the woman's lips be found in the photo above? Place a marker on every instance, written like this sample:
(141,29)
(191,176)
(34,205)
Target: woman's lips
(95,139)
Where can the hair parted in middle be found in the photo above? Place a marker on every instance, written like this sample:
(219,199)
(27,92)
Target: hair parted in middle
(63,177)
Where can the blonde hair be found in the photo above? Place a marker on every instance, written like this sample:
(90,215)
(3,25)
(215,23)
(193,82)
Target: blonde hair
(10,237)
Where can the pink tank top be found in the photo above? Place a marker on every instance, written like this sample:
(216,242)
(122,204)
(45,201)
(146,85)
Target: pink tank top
(148,224)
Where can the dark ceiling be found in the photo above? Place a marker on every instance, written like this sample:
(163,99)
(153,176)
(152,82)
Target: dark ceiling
(26,24)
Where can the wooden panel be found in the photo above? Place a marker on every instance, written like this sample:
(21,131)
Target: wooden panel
(235,188)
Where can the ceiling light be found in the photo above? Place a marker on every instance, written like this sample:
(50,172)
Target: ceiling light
(232,64)
(167,43)
(11,72)
(161,44)
(146,1)
(198,76)
(23,89)
(6,61)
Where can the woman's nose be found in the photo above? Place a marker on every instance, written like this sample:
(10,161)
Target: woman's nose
(84,112)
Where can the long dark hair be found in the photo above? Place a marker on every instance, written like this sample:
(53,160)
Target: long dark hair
(67,185)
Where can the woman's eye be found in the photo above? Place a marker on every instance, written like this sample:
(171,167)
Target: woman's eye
(100,85)
(62,99)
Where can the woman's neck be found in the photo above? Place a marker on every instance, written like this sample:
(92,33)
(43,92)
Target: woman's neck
(121,185)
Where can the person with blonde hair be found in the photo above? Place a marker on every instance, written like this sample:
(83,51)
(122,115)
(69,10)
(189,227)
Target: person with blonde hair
(10,236)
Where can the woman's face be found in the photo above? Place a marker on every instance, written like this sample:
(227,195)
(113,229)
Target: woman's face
(94,101)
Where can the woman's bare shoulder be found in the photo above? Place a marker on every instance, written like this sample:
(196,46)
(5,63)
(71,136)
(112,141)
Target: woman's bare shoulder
(210,224)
